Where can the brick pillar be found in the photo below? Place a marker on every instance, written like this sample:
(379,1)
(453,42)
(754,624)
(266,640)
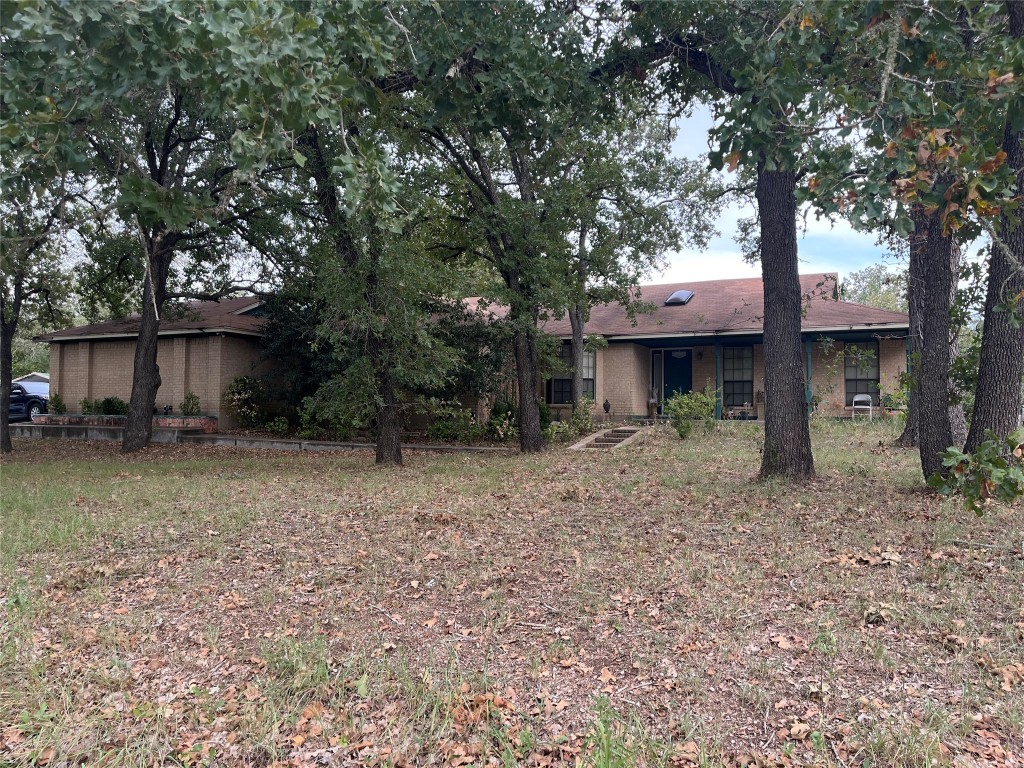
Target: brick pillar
(85,368)
(176,376)
(56,367)
(214,378)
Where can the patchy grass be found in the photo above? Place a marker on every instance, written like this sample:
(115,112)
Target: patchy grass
(647,606)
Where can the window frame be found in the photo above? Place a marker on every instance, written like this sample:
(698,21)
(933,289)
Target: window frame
(558,388)
(864,382)
(729,384)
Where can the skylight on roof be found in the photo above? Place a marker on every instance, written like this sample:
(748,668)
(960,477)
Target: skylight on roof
(679,297)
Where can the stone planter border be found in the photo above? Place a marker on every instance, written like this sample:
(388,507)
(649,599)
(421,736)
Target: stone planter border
(207,424)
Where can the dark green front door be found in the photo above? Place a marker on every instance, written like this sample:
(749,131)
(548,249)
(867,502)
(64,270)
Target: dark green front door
(678,371)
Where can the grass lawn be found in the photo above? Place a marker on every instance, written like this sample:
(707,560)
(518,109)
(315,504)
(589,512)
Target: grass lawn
(647,606)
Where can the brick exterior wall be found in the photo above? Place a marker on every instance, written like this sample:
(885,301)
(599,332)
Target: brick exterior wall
(828,377)
(624,375)
(703,367)
(623,379)
(201,364)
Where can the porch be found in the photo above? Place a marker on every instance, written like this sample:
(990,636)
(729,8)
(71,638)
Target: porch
(633,377)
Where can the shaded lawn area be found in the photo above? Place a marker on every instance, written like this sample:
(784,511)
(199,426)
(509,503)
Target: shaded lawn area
(647,606)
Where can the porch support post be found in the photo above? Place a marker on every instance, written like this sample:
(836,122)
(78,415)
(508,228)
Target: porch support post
(718,380)
(810,391)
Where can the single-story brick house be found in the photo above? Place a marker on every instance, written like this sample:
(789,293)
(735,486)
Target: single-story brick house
(699,333)
(201,350)
(710,332)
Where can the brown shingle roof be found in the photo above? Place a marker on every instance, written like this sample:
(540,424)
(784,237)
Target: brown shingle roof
(200,316)
(727,307)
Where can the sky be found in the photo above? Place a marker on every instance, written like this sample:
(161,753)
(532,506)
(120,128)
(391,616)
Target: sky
(824,246)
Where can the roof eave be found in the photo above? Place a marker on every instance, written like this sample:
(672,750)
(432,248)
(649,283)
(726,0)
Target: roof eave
(745,332)
(126,335)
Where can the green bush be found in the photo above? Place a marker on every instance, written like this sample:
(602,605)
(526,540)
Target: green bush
(325,420)
(502,425)
(451,423)
(244,399)
(994,471)
(683,409)
(112,406)
(190,406)
(57,404)
(107,406)
(579,423)
(545,414)
(278,426)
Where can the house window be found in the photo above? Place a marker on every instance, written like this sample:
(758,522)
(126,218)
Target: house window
(737,376)
(559,389)
(862,370)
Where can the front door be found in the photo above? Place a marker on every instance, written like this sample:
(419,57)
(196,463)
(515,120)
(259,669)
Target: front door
(678,375)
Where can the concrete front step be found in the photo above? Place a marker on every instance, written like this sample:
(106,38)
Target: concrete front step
(607,439)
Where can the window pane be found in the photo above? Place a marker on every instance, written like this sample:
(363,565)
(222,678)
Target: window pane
(559,386)
(861,371)
(738,376)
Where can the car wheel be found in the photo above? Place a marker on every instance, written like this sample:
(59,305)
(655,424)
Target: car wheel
(34,410)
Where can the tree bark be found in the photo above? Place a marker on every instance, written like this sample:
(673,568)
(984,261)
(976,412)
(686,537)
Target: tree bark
(787,437)
(576,321)
(524,343)
(138,428)
(389,421)
(915,306)
(389,408)
(997,399)
(6,367)
(938,282)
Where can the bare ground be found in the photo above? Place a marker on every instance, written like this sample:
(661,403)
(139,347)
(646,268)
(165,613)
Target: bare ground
(647,606)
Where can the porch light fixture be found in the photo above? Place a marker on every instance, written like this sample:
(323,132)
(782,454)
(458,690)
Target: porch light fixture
(679,297)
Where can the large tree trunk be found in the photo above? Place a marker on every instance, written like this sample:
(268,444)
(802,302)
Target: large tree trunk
(389,421)
(138,429)
(997,399)
(915,305)
(787,437)
(576,321)
(935,429)
(6,368)
(524,344)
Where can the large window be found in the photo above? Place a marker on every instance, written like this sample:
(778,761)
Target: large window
(737,376)
(559,389)
(862,370)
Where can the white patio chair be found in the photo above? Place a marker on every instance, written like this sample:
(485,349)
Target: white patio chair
(862,403)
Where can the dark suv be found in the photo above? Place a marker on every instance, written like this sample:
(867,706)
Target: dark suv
(24,404)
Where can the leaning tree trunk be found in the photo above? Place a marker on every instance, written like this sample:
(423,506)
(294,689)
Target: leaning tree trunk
(138,428)
(524,347)
(787,437)
(576,321)
(997,399)
(915,305)
(6,373)
(935,429)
